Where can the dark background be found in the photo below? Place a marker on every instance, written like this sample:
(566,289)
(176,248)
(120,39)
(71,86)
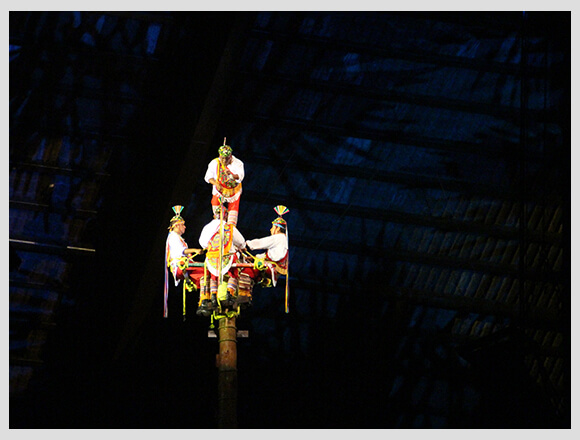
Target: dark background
(425,161)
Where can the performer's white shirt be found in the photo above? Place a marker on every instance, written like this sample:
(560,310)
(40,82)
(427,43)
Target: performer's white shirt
(236,167)
(212,227)
(176,246)
(276,246)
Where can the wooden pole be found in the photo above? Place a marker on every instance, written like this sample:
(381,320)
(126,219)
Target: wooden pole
(220,274)
(227,373)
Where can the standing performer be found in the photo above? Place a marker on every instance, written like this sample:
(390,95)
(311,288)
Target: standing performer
(225,173)
(274,261)
(174,247)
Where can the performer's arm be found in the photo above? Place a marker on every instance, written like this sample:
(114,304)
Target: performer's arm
(211,173)
(215,183)
(239,240)
(237,170)
(261,243)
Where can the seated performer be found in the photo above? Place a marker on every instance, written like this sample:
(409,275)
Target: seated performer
(225,173)
(174,247)
(274,262)
(209,239)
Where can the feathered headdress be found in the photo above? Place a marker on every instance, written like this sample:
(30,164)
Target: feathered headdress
(279,221)
(177,217)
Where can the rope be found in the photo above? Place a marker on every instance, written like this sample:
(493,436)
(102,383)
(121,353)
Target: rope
(231,314)
(184,290)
